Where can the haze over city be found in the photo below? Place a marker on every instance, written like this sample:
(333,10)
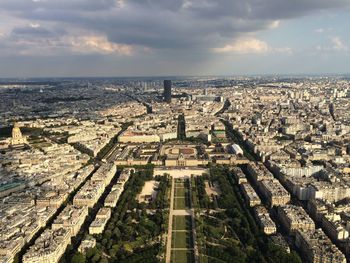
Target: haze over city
(41,38)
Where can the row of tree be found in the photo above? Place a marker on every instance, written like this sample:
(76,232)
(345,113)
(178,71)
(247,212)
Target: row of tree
(243,240)
(134,230)
(203,198)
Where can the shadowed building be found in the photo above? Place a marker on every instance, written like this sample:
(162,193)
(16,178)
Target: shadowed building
(167,91)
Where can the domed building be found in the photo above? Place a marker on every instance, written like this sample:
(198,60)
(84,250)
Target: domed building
(17,137)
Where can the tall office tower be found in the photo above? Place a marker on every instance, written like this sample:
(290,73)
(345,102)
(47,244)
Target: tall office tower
(167,91)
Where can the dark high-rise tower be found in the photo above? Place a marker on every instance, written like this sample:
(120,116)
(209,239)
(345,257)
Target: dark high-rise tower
(167,91)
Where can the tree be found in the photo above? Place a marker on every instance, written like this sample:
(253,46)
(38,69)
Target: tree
(127,248)
(96,258)
(116,233)
(78,258)
(91,252)
(103,260)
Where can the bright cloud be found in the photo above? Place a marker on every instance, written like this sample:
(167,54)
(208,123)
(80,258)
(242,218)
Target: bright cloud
(34,25)
(275,24)
(245,46)
(98,44)
(338,44)
(283,50)
(252,46)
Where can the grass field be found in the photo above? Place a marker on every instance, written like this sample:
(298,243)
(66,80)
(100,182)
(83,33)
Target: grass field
(182,256)
(181,203)
(180,191)
(182,240)
(182,223)
(180,183)
(182,236)
(181,200)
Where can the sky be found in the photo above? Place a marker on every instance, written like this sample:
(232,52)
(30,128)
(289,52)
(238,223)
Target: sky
(77,38)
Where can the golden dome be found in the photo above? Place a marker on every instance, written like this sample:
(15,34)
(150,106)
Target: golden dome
(17,137)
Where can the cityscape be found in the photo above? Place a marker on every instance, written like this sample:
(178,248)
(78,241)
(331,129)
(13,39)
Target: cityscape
(174,131)
(240,169)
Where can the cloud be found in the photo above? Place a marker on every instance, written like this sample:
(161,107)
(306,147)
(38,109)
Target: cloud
(323,30)
(251,46)
(275,24)
(31,31)
(167,32)
(244,46)
(167,24)
(283,50)
(52,5)
(34,25)
(98,44)
(37,40)
(338,44)
(320,30)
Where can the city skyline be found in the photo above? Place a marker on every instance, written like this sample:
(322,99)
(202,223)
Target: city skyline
(130,38)
(237,169)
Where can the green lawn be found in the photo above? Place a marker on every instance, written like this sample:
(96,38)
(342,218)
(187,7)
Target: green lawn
(181,203)
(180,184)
(182,240)
(180,192)
(182,256)
(181,199)
(182,223)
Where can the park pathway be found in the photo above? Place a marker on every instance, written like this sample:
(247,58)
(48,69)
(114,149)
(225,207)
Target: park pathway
(188,211)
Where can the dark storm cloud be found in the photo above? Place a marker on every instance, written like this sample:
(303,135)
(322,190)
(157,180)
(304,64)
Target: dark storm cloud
(262,9)
(290,9)
(77,5)
(166,24)
(37,31)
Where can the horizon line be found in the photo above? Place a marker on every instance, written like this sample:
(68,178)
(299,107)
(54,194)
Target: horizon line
(185,76)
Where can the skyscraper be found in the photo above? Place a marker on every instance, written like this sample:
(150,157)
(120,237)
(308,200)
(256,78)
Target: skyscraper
(167,91)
